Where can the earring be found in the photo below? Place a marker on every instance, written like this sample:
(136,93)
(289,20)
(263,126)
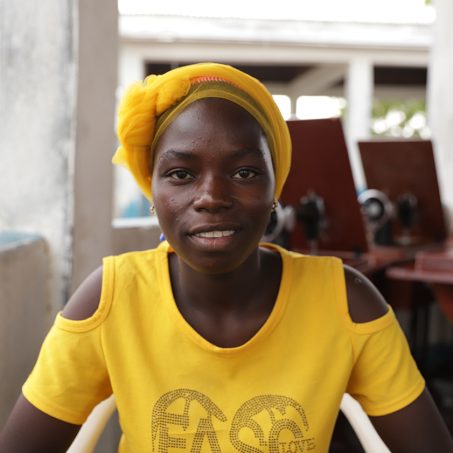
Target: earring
(152,210)
(274,205)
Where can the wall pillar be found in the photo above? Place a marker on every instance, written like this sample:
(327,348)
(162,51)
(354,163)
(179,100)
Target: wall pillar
(293,101)
(440,95)
(359,94)
(95,136)
(132,67)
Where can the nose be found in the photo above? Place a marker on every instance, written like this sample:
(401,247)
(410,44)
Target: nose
(212,195)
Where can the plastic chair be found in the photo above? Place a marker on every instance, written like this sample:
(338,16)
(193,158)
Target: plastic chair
(362,426)
(90,432)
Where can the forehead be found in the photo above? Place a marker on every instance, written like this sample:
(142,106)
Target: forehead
(212,119)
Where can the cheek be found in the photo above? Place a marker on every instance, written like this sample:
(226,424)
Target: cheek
(169,204)
(263,196)
(260,208)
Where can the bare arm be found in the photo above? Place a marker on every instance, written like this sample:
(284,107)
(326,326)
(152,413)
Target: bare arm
(416,428)
(419,426)
(29,430)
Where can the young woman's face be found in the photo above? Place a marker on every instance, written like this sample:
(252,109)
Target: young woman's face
(213,185)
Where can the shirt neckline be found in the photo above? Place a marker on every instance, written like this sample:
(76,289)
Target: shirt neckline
(262,333)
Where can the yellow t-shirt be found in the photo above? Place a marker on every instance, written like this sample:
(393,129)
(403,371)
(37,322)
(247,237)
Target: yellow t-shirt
(175,391)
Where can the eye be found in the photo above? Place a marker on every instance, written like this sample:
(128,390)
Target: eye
(245,173)
(180,175)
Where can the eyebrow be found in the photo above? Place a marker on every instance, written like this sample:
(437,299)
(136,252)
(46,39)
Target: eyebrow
(189,155)
(175,154)
(243,152)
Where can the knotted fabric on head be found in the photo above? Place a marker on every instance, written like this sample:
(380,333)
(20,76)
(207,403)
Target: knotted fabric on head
(148,107)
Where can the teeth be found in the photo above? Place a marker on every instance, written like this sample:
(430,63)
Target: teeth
(215,234)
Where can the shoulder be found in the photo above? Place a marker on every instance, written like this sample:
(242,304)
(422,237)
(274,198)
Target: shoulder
(85,300)
(115,271)
(365,302)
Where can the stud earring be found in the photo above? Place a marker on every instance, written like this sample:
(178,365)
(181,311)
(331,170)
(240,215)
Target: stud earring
(152,210)
(274,205)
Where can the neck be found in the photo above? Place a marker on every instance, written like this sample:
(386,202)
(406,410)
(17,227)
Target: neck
(216,293)
(228,309)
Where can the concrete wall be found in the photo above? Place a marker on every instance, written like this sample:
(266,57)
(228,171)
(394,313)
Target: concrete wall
(135,234)
(440,96)
(95,137)
(58,76)
(24,311)
(58,72)
(37,107)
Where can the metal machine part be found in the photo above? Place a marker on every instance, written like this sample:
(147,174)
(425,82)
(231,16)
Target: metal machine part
(407,207)
(376,208)
(312,214)
(407,212)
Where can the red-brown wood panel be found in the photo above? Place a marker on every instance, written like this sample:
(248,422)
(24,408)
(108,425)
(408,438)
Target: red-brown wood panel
(399,166)
(320,163)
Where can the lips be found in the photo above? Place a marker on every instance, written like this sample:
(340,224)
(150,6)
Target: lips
(215,234)
(214,230)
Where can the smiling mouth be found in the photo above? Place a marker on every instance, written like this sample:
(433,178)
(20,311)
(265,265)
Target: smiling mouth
(215,234)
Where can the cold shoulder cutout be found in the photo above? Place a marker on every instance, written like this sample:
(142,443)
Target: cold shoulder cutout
(84,303)
(365,302)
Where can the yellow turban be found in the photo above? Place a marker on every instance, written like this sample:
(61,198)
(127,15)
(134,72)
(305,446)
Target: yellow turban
(148,107)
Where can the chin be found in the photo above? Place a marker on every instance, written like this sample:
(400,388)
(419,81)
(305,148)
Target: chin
(218,264)
(213,266)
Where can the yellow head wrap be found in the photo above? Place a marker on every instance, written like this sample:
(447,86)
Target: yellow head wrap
(145,112)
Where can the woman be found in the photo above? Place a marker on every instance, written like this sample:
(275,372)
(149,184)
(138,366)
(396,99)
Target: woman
(214,342)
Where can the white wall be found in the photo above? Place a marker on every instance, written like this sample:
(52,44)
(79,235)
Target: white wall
(58,76)
(440,97)
(37,105)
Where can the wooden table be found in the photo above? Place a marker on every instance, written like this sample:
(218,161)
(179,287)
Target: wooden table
(434,268)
